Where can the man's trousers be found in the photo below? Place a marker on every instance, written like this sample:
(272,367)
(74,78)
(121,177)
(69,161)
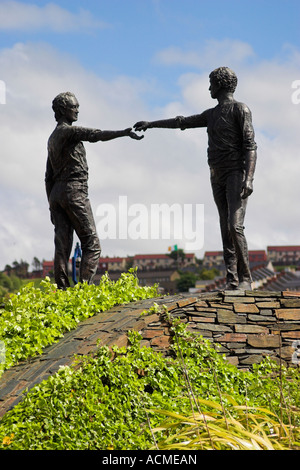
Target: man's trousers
(227,188)
(71,211)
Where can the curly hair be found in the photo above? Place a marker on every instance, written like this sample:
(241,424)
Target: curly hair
(225,77)
(61,101)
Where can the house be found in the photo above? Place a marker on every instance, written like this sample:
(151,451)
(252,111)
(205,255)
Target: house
(212,259)
(165,278)
(160,261)
(152,262)
(258,256)
(48,268)
(151,269)
(284,255)
(112,264)
(215,258)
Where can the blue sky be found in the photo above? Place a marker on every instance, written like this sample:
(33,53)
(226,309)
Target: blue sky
(144,27)
(128,60)
(125,37)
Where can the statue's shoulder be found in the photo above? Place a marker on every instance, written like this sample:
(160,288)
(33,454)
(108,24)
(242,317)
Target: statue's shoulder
(242,107)
(59,134)
(64,126)
(62,129)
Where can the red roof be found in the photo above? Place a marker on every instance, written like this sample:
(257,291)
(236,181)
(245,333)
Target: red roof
(284,248)
(120,260)
(51,263)
(216,253)
(111,260)
(160,256)
(150,256)
(213,253)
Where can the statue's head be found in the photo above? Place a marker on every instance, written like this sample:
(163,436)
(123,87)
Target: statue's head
(65,104)
(224,78)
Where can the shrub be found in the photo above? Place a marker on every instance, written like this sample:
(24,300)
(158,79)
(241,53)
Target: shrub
(135,398)
(36,317)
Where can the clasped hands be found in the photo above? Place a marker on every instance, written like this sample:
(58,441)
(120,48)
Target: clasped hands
(139,126)
(132,134)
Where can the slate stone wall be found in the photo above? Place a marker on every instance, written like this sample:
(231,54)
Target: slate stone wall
(247,325)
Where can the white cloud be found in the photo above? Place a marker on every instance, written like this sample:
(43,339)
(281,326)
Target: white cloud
(18,16)
(209,55)
(167,166)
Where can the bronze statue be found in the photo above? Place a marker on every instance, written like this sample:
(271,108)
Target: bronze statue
(66,182)
(232,160)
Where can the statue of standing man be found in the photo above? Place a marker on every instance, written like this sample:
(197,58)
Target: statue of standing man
(67,189)
(232,160)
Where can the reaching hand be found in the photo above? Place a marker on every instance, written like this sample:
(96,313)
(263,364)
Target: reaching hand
(132,134)
(141,126)
(247,189)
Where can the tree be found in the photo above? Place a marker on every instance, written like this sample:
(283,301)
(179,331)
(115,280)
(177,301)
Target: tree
(20,268)
(8,269)
(37,265)
(209,274)
(186,281)
(177,255)
(129,262)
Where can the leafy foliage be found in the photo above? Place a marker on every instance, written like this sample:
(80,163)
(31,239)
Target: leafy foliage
(36,317)
(8,284)
(135,398)
(208,274)
(186,281)
(252,428)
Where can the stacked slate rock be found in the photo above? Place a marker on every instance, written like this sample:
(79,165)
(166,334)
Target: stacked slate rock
(247,325)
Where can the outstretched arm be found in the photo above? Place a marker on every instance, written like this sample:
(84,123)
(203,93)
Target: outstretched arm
(78,133)
(172,123)
(109,135)
(179,122)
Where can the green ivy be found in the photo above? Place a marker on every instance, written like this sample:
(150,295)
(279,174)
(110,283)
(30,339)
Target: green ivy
(36,317)
(108,401)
